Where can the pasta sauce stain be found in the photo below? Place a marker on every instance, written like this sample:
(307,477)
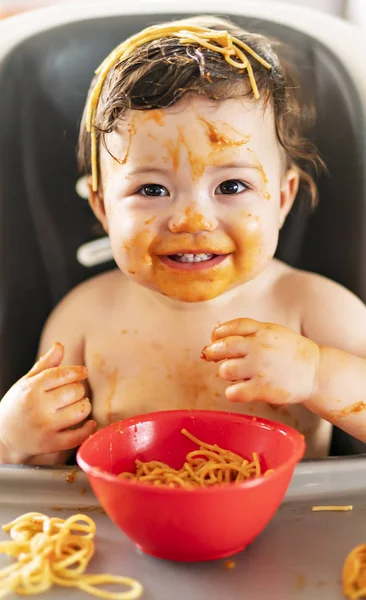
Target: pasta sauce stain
(264,176)
(230,564)
(219,139)
(265,193)
(300,582)
(139,249)
(112,378)
(131,133)
(192,222)
(174,149)
(348,410)
(70,477)
(198,162)
(112,390)
(155,115)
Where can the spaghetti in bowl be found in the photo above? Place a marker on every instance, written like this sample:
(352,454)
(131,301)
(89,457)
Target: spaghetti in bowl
(196,522)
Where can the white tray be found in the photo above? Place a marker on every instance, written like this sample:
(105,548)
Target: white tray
(299,555)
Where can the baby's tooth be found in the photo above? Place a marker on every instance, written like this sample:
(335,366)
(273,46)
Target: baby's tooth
(191,258)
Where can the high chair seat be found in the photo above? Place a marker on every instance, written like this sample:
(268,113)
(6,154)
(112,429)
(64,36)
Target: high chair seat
(47,60)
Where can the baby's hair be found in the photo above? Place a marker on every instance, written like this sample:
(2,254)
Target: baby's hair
(158,73)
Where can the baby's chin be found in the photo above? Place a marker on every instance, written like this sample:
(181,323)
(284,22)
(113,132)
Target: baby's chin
(194,288)
(198,293)
(189,293)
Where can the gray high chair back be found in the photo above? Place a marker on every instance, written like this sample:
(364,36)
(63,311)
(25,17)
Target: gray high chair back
(46,64)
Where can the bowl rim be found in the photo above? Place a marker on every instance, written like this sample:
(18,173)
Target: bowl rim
(282,428)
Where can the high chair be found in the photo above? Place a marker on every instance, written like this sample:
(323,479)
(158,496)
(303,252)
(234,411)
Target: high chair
(47,58)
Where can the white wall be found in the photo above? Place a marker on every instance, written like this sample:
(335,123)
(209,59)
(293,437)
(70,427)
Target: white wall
(356,12)
(356,9)
(333,6)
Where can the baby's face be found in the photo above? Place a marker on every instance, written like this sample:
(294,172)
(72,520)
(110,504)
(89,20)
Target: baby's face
(195,202)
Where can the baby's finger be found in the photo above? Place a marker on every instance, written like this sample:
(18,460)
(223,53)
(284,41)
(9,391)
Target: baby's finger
(244,327)
(52,358)
(230,347)
(58,376)
(235,369)
(73,414)
(254,390)
(66,395)
(243,391)
(74,437)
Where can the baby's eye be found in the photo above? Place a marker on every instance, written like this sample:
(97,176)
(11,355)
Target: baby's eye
(153,189)
(231,186)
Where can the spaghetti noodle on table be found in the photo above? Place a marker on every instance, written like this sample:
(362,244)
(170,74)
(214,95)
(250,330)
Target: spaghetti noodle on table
(209,465)
(55,551)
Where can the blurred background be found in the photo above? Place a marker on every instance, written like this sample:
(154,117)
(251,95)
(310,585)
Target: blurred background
(352,10)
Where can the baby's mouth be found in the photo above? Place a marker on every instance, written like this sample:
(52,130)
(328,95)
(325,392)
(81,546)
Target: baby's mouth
(192,258)
(192,261)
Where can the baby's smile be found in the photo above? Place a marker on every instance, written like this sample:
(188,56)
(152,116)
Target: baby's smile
(192,261)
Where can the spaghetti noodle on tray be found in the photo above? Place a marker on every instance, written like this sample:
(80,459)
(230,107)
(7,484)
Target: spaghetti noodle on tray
(55,551)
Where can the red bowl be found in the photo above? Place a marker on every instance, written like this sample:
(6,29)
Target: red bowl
(199,524)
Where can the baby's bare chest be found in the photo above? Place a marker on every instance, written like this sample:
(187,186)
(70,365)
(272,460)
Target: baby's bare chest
(133,373)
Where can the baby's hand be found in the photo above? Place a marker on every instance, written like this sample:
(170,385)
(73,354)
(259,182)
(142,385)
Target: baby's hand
(267,362)
(36,414)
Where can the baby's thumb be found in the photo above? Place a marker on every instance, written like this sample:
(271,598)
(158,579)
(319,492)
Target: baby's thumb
(52,358)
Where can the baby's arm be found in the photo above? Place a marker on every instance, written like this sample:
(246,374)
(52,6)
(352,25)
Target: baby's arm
(41,416)
(325,368)
(336,320)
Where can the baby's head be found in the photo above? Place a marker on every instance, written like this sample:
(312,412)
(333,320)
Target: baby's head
(196,157)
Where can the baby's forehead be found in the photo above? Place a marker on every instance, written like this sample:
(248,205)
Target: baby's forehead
(192,132)
(192,117)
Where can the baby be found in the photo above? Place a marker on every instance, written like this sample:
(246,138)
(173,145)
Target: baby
(193,138)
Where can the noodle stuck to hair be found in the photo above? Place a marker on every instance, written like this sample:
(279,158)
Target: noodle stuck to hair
(207,56)
(55,551)
(354,574)
(231,48)
(209,465)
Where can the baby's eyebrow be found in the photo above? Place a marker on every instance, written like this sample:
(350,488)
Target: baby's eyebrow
(236,165)
(147,170)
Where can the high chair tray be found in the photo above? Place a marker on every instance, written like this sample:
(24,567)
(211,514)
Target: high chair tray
(298,556)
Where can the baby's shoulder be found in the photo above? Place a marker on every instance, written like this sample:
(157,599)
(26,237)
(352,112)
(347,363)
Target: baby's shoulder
(311,288)
(329,313)
(83,307)
(89,296)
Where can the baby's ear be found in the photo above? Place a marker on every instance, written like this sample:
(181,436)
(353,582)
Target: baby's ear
(96,202)
(289,189)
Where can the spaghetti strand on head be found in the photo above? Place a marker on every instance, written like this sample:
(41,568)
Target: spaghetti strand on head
(222,42)
(207,466)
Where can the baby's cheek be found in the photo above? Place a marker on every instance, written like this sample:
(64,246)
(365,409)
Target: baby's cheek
(256,244)
(131,250)
(139,248)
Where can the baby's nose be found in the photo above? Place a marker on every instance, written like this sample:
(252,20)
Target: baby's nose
(192,220)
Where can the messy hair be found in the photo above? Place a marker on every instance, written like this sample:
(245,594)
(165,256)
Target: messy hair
(158,73)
